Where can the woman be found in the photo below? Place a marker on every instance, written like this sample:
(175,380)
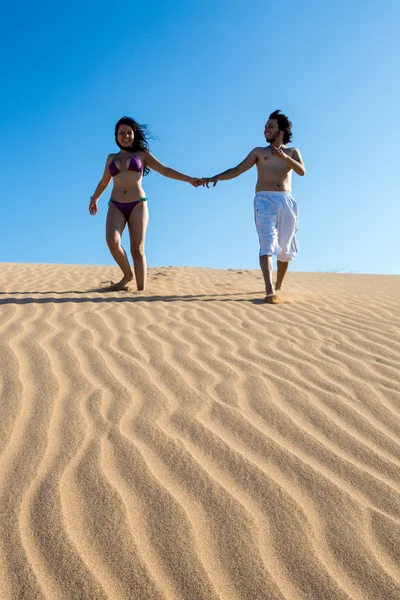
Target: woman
(128,202)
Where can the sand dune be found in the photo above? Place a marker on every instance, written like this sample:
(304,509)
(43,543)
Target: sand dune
(191,442)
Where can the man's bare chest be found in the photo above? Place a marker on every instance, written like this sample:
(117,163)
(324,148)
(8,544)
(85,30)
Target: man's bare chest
(269,165)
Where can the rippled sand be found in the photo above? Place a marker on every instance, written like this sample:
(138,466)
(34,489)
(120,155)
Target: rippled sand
(191,442)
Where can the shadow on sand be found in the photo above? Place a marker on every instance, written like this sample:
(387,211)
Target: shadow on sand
(52,296)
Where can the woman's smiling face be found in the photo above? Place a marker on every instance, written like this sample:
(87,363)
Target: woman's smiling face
(125,136)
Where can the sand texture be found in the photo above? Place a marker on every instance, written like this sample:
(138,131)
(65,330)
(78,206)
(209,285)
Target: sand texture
(191,442)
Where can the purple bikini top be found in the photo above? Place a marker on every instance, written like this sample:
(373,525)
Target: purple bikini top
(135,164)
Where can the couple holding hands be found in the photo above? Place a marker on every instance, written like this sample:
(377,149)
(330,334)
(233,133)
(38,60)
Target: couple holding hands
(275,210)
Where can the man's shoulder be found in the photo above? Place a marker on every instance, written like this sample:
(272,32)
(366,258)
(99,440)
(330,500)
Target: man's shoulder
(291,150)
(259,150)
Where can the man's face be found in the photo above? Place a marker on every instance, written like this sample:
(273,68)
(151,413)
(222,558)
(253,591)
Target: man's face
(271,130)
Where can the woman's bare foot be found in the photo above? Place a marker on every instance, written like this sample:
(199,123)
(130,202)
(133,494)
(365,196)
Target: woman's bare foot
(121,285)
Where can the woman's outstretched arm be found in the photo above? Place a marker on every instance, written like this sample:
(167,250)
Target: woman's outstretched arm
(155,164)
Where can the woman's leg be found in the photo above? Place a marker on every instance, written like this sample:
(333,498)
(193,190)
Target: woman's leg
(137,223)
(115,225)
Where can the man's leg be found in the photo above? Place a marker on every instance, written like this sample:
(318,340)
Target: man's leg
(265,216)
(287,226)
(266,269)
(282,268)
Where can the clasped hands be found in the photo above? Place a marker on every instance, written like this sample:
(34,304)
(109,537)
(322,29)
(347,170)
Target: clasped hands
(204,181)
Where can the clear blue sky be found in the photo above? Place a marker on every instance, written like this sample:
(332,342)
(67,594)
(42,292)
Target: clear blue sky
(204,76)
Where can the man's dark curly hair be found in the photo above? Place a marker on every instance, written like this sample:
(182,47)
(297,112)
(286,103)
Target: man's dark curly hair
(140,143)
(284,125)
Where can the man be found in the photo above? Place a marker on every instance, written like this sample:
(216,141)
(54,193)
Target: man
(275,210)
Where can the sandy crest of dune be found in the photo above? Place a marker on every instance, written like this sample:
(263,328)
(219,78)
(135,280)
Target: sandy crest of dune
(190,442)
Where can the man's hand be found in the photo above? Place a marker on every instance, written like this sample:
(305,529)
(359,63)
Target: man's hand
(206,180)
(93,207)
(279,153)
(195,181)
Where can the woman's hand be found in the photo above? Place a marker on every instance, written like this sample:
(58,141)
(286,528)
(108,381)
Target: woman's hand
(195,181)
(93,206)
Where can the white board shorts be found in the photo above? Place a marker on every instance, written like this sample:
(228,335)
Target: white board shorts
(276,217)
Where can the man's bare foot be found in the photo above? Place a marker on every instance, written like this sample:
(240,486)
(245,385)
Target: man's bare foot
(121,285)
(278,288)
(271,299)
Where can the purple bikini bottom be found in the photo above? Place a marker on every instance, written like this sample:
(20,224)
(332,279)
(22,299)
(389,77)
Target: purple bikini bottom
(126,207)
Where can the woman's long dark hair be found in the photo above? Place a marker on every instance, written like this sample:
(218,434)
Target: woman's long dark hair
(140,143)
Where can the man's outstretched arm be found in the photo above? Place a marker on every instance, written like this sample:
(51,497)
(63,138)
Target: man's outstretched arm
(245,165)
